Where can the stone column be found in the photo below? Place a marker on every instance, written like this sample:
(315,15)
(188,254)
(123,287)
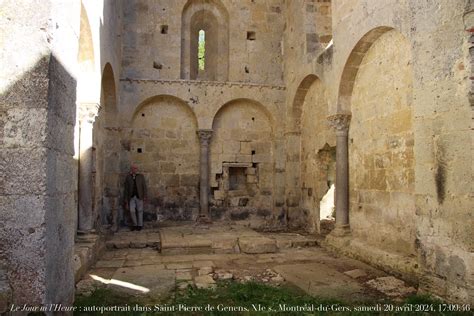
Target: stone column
(340,123)
(87,114)
(204,139)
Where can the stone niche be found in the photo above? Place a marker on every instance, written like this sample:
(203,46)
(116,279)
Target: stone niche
(382,173)
(242,170)
(165,147)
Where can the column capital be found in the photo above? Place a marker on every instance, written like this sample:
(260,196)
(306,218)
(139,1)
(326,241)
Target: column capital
(87,112)
(205,136)
(340,122)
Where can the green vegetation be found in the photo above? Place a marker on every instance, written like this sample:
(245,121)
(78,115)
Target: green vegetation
(233,298)
(202,50)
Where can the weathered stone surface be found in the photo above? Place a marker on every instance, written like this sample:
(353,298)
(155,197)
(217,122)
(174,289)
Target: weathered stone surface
(408,88)
(257,245)
(205,270)
(391,286)
(183,275)
(355,274)
(322,281)
(150,279)
(204,282)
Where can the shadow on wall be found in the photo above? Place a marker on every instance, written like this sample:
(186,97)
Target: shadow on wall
(38,215)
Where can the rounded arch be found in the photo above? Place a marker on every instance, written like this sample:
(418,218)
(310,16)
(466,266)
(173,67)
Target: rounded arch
(109,95)
(88,71)
(253,103)
(213,18)
(85,54)
(349,73)
(161,97)
(379,94)
(298,101)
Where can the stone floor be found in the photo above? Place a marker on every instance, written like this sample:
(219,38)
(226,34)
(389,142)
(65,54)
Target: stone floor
(158,261)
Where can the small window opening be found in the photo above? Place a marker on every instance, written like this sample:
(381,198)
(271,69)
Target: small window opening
(202,50)
(246,69)
(253,152)
(164,29)
(143,114)
(251,36)
(253,119)
(139,150)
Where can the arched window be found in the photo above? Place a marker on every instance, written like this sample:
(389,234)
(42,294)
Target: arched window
(201,50)
(205,41)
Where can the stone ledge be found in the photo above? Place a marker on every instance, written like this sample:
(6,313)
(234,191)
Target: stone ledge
(204,83)
(86,254)
(255,245)
(402,266)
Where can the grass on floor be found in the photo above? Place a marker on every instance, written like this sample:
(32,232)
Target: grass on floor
(246,299)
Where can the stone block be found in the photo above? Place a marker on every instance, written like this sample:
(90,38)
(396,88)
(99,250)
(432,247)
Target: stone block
(253,245)
(219,195)
(205,270)
(252,179)
(243,158)
(246,148)
(183,276)
(231,147)
(257,158)
(204,282)
(167,167)
(251,171)
(189,179)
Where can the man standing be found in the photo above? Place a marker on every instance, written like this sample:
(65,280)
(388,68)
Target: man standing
(135,194)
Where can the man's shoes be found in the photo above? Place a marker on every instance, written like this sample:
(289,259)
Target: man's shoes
(139,228)
(133,228)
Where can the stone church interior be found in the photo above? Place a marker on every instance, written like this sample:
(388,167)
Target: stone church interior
(349,123)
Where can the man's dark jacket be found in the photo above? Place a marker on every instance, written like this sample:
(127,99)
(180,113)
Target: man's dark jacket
(141,187)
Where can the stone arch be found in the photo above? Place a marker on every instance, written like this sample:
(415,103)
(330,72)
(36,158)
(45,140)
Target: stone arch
(88,81)
(212,17)
(85,55)
(107,167)
(242,169)
(298,100)
(155,98)
(251,102)
(109,96)
(164,145)
(378,89)
(312,161)
(352,65)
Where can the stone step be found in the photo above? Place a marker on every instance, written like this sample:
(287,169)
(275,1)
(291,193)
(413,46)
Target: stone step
(224,243)
(193,241)
(136,239)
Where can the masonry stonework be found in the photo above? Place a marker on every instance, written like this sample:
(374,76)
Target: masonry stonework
(250,124)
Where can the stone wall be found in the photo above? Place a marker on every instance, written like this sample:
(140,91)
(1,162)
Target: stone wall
(165,147)
(317,155)
(381,157)
(153,39)
(242,164)
(434,221)
(38,114)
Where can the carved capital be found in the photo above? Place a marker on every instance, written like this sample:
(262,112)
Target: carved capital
(87,112)
(340,122)
(205,136)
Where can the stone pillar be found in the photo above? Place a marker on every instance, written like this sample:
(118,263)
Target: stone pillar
(87,114)
(204,139)
(340,123)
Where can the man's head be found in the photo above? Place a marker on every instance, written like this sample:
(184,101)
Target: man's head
(133,169)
